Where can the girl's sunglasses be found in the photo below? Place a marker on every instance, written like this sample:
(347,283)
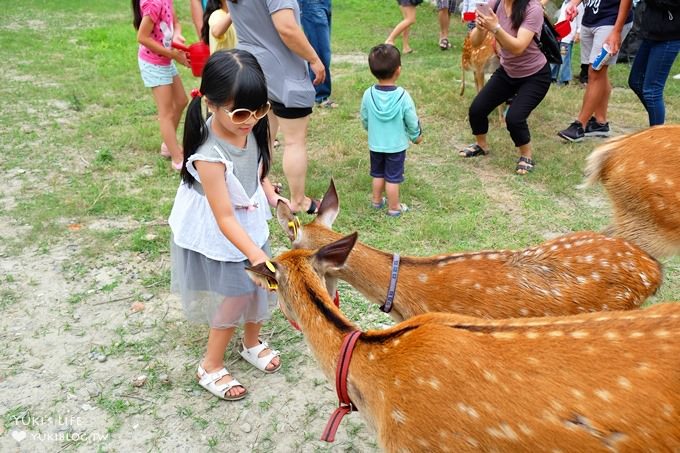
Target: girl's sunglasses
(240,116)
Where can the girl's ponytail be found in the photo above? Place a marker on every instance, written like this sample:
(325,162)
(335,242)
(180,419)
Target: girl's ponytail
(195,134)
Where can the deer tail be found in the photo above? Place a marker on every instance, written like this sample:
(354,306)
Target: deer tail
(596,161)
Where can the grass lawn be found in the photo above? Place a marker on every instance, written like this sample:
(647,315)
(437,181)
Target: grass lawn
(83,231)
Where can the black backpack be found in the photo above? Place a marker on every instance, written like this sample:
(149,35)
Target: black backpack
(549,42)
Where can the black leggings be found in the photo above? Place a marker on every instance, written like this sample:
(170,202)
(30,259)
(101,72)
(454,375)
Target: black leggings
(529,91)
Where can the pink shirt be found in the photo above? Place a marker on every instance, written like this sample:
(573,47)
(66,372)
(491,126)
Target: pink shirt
(162,15)
(532,59)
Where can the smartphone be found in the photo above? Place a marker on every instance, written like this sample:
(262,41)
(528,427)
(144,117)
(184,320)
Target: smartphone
(483,8)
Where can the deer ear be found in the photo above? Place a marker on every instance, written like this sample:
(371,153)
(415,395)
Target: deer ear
(264,273)
(288,221)
(335,254)
(330,206)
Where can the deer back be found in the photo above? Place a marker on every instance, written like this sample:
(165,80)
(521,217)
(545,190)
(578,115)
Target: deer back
(641,174)
(591,382)
(575,273)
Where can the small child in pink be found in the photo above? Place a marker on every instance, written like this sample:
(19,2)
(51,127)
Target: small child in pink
(157,26)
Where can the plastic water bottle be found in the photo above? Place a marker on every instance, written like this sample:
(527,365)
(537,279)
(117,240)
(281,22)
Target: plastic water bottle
(602,58)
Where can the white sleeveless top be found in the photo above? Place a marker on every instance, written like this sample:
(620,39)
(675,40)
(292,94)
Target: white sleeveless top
(192,221)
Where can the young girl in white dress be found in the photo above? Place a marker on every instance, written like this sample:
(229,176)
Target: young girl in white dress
(219,218)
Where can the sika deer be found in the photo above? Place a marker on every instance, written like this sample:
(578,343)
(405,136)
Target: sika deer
(595,382)
(575,273)
(641,174)
(480,60)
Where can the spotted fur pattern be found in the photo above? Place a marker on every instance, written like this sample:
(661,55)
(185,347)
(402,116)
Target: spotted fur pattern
(641,174)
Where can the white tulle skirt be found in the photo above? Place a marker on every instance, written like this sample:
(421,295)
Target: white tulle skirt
(218,293)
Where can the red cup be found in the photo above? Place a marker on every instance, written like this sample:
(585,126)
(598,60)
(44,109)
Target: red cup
(198,54)
(469,16)
(563,28)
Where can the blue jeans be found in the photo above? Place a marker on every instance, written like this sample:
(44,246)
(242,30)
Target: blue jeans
(562,73)
(649,73)
(315,16)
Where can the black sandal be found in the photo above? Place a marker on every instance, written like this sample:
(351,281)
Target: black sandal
(472,150)
(524,165)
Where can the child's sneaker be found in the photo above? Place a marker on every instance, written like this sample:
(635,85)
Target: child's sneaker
(574,133)
(380,205)
(595,129)
(402,208)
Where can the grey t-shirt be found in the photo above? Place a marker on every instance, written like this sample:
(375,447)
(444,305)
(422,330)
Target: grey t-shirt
(286,73)
(245,160)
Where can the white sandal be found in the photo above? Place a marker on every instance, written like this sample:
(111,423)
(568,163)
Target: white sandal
(208,382)
(251,356)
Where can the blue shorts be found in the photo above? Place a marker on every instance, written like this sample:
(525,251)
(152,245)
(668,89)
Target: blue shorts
(155,75)
(389,166)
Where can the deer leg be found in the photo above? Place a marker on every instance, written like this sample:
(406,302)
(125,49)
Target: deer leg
(479,80)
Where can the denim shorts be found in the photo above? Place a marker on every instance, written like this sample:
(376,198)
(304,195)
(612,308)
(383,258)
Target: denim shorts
(389,166)
(155,75)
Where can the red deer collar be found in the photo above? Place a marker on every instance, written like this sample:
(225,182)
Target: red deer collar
(346,406)
(387,306)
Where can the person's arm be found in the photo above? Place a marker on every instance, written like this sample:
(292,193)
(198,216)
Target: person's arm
(614,38)
(272,197)
(294,38)
(177,30)
(197,15)
(363,113)
(145,39)
(411,121)
(514,45)
(219,24)
(572,9)
(215,188)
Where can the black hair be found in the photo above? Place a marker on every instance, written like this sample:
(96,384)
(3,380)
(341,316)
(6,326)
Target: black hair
(229,76)
(136,14)
(519,10)
(384,59)
(210,7)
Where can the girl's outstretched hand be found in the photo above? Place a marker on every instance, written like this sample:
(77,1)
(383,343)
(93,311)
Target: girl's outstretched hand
(259,258)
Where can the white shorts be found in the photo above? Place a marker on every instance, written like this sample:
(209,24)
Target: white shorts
(593,38)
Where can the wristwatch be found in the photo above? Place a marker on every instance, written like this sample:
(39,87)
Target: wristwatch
(496,28)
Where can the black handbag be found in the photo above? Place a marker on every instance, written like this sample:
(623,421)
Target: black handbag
(549,43)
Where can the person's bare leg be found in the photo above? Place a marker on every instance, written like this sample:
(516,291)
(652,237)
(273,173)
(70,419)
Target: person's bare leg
(600,112)
(163,95)
(251,338)
(481,141)
(392,191)
(378,189)
(180,99)
(213,361)
(409,14)
(444,22)
(596,97)
(405,46)
(295,159)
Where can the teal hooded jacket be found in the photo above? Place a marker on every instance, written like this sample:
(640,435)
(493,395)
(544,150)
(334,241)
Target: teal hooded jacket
(390,118)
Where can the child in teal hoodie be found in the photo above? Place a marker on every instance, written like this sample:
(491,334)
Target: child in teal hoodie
(389,115)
